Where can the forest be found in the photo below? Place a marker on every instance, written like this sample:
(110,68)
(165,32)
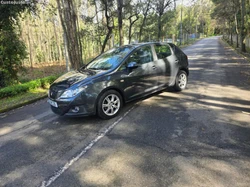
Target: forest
(67,34)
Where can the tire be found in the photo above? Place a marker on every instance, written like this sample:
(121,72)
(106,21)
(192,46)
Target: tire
(109,104)
(181,81)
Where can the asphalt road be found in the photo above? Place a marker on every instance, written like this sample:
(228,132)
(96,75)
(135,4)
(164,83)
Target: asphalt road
(198,137)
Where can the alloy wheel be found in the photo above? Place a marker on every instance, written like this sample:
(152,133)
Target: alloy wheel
(111,104)
(182,81)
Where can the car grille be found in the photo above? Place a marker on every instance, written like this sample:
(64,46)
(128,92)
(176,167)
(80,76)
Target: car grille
(55,92)
(60,111)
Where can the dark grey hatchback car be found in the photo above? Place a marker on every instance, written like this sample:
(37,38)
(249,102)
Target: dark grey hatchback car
(118,76)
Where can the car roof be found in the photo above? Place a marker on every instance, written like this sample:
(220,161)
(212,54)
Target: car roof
(135,45)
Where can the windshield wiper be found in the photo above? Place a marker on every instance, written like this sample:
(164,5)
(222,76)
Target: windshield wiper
(93,68)
(99,68)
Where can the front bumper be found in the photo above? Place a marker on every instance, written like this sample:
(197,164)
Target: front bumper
(68,107)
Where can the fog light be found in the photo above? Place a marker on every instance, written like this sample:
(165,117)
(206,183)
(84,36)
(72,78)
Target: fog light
(75,109)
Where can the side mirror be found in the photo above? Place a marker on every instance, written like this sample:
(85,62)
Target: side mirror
(132,65)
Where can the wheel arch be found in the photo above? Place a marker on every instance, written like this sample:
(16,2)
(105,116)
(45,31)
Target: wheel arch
(184,69)
(107,89)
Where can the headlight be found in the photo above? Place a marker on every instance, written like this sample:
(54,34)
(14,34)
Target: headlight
(72,92)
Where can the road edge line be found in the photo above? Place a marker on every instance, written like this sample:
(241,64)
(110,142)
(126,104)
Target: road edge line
(99,136)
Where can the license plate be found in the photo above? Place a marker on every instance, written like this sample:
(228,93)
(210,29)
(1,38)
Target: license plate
(53,103)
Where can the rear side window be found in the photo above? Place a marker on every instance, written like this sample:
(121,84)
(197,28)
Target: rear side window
(162,51)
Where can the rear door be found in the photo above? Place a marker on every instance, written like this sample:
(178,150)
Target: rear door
(182,57)
(163,63)
(180,60)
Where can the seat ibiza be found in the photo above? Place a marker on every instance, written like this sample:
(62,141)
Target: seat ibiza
(118,76)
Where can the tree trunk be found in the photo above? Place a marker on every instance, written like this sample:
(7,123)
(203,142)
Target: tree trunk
(109,23)
(106,39)
(78,36)
(159,28)
(98,23)
(141,27)
(131,23)
(47,31)
(145,14)
(57,43)
(230,32)
(236,30)
(130,31)
(242,29)
(30,47)
(45,49)
(119,12)
(69,24)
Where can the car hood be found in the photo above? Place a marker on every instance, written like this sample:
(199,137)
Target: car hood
(73,77)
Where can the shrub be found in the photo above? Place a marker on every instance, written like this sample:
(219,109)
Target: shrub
(45,82)
(12,53)
(33,84)
(21,88)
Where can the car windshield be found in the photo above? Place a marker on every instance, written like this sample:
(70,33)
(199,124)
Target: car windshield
(109,59)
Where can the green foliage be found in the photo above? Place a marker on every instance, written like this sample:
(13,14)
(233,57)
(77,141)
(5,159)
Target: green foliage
(21,88)
(45,82)
(40,56)
(12,50)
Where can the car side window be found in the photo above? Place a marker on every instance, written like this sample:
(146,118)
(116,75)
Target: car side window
(162,51)
(141,56)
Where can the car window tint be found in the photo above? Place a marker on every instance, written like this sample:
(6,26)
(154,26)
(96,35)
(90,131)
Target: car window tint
(162,51)
(142,55)
(109,59)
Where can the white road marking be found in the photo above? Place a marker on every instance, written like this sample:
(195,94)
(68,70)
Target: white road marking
(59,172)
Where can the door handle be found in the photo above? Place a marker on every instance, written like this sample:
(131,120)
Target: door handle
(124,76)
(154,67)
(176,61)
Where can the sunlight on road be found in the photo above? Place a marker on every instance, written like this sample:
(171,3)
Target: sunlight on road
(33,140)
(113,167)
(209,171)
(97,176)
(5,130)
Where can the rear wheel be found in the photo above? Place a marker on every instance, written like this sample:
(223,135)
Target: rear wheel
(181,81)
(109,104)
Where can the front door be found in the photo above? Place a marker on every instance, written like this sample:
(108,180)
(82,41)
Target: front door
(142,79)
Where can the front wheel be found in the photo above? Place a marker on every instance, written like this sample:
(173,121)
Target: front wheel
(181,81)
(109,104)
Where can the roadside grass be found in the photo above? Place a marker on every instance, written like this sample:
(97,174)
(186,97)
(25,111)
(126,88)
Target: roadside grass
(14,97)
(22,99)
(246,55)
(31,74)
(237,50)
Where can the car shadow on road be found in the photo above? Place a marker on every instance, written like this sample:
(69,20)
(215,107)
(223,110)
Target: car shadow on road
(178,147)
(183,146)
